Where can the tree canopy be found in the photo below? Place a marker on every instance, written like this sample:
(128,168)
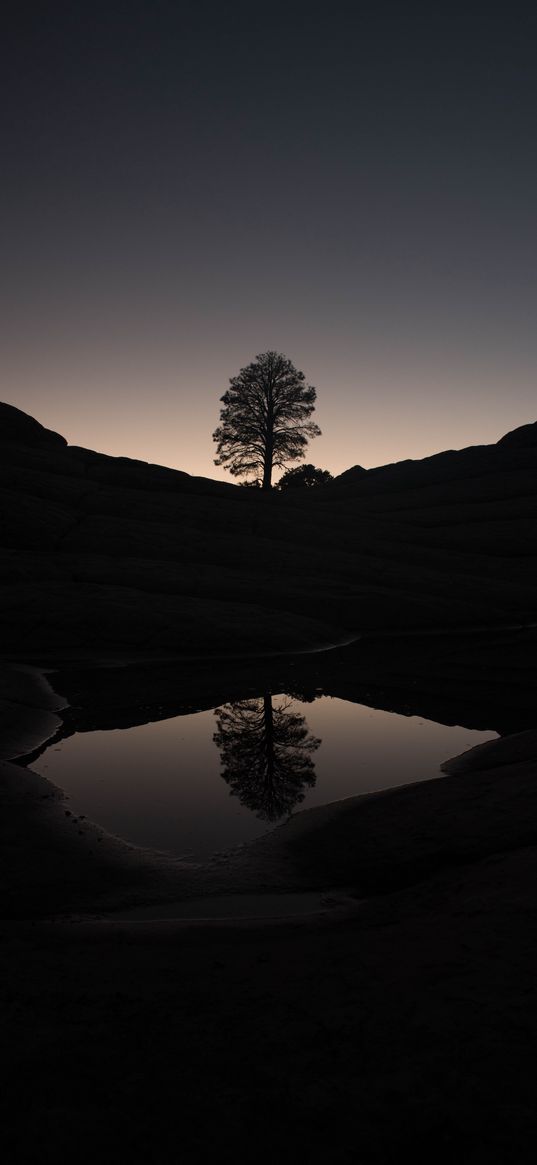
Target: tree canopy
(265,419)
(304,475)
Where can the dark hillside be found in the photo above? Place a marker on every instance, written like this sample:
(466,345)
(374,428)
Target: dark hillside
(17,427)
(109,554)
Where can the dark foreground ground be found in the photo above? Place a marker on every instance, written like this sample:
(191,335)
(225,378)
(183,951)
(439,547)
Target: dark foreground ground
(409,1028)
(400,1021)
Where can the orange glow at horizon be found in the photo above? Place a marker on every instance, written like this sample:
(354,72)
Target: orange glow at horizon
(367,417)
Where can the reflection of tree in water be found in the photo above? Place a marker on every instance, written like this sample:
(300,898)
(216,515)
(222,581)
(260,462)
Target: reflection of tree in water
(266,755)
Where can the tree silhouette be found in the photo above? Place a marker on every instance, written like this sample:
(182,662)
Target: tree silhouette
(265,755)
(265,419)
(304,475)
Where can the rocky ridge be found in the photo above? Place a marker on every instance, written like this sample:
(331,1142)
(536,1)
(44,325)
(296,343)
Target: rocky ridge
(110,554)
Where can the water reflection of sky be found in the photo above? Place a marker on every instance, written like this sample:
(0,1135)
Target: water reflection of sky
(169,786)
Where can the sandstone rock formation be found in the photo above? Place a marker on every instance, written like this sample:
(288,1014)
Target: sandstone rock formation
(108,554)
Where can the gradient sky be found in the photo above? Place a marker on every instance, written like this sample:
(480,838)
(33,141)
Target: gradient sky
(186,185)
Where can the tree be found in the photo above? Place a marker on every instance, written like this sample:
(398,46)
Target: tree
(266,755)
(265,419)
(304,475)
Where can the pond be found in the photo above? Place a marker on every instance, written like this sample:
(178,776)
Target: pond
(195,784)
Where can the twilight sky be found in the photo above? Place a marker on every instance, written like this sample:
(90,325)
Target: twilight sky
(187,184)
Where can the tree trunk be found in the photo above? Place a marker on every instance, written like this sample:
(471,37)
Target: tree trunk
(268,717)
(267,473)
(269,441)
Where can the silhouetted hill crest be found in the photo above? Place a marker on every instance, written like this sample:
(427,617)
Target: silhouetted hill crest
(108,553)
(49,452)
(523,437)
(129,473)
(516,450)
(21,429)
(18,428)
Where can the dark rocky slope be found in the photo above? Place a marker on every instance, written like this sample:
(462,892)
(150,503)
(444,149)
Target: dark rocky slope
(108,554)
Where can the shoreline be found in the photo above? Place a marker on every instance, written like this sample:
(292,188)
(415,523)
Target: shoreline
(314,851)
(413,994)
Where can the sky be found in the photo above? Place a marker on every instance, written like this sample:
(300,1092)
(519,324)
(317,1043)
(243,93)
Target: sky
(186,185)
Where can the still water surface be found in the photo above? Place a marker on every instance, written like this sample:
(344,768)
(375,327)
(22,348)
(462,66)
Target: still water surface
(195,784)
